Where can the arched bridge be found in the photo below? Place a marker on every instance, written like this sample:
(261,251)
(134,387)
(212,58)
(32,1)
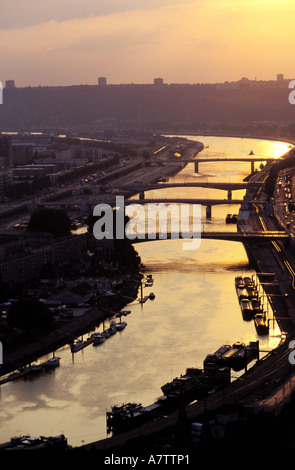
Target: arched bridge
(229,187)
(197,161)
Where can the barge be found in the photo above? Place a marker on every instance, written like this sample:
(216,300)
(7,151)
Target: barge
(235,357)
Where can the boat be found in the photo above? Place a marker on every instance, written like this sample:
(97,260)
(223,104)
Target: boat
(247,309)
(35,368)
(251,152)
(248,281)
(51,363)
(235,357)
(245,355)
(195,384)
(239,282)
(252,292)
(98,339)
(256,305)
(152,295)
(111,330)
(261,324)
(211,361)
(125,312)
(121,325)
(231,218)
(124,417)
(242,293)
(78,345)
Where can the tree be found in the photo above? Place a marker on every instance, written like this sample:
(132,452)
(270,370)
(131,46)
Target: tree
(55,221)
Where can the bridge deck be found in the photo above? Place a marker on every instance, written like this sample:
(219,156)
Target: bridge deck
(230,236)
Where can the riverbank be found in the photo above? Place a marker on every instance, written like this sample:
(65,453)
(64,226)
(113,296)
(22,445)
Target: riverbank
(23,348)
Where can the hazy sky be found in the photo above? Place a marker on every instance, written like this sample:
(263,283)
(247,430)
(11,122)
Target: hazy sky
(68,42)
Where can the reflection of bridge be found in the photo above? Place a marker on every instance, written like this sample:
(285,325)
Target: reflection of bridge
(229,187)
(246,237)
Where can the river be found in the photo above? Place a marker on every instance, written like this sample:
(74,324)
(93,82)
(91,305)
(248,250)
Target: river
(195,311)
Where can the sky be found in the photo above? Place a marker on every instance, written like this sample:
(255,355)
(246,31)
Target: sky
(72,42)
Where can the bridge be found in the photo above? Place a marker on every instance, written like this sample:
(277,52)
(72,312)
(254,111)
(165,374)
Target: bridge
(197,161)
(203,202)
(243,237)
(244,159)
(229,187)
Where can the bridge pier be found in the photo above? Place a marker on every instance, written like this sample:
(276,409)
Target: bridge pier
(252,166)
(208,212)
(141,195)
(196,167)
(229,194)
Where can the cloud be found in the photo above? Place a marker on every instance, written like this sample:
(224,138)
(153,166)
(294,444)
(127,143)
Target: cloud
(74,41)
(22,13)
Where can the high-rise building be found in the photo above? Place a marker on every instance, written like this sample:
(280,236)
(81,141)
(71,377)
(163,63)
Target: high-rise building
(102,81)
(9,84)
(158,81)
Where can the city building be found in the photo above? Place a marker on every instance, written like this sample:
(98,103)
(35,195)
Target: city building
(9,84)
(102,81)
(158,82)
(23,258)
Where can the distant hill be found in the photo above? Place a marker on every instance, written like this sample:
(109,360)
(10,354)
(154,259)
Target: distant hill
(142,105)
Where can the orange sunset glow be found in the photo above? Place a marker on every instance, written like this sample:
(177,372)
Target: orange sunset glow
(72,42)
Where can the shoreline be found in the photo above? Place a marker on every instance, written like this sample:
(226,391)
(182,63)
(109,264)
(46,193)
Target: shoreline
(33,346)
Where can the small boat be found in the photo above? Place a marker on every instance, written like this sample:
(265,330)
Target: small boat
(36,368)
(121,325)
(98,339)
(152,295)
(52,362)
(251,152)
(77,346)
(111,330)
(125,312)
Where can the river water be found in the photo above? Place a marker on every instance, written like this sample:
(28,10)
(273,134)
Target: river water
(195,311)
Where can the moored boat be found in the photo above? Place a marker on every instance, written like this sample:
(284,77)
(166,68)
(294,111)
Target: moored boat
(239,282)
(98,339)
(121,325)
(261,324)
(247,309)
(256,305)
(242,293)
(52,362)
